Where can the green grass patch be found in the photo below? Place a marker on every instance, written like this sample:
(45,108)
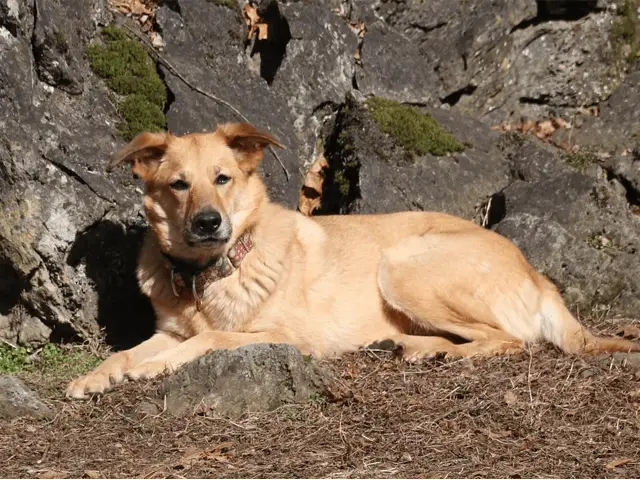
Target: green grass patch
(131,73)
(415,131)
(52,360)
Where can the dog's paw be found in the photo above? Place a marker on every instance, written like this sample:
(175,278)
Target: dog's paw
(149,369)
(90,384)
(411,355)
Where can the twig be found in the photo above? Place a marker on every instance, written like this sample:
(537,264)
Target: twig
(7,342)
(529,375)
(195,88)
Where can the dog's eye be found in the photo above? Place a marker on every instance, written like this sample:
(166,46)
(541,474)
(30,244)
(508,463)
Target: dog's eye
(179,185)
(222,179)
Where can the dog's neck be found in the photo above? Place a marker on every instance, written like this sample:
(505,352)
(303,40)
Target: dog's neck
(195,276)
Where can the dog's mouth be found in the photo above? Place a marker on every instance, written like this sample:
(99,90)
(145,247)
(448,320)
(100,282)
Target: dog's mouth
(212,240)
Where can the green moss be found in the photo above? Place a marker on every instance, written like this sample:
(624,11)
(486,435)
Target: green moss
(231,4)
(139,115)
(580,160)
(625,33)
(418,133)
(131,73)
(52,360)
(342,182)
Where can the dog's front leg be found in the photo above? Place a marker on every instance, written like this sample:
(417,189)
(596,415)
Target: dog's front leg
(111,371)
(168,361)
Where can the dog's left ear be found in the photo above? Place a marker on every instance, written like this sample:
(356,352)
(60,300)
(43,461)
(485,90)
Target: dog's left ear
(143,153)
(247,142)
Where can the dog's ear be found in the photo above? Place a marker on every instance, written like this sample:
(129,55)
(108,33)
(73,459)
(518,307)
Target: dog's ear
(247,142)
(143,153)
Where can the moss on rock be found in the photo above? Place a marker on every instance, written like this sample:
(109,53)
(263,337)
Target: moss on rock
(415,131)
(131,73)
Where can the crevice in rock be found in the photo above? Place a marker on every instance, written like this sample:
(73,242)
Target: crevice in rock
(454,97)
(541,100)
(170,95)
(173,5)
(498,209)
(273,49)
(11,286)
(69,172)
(341,186)
(428,28)
(551,10)
(632,193)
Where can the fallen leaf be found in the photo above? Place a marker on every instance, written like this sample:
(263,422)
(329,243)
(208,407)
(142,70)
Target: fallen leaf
(510,397)
(255,23)
(618,462)
(52,474)
(311,191)
(222,452)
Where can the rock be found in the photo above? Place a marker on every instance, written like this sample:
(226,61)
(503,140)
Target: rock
(255,378)
(285,94)
(395,67)
(497,60)
(16,400)
(580,232)
(63,221)
(370,174)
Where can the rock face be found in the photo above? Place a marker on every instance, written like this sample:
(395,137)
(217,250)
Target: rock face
(16,400)
(255,378)
(69,234)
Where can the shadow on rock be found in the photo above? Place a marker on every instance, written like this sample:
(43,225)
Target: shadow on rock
(109,253)
(273,49)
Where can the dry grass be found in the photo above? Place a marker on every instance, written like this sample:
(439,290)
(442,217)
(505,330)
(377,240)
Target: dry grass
(538,414)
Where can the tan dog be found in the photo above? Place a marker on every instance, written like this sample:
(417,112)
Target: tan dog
(225,267)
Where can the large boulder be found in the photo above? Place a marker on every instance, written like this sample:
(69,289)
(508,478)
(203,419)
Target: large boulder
(255,378)
(68,233)
(496,60)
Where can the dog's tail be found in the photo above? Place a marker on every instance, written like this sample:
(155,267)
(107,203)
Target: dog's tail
(562,329)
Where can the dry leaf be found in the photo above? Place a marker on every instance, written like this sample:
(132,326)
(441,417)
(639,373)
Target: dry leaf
(254,23)
(618,462)
(222,452)
(510,397)
(52,474)
(311,191)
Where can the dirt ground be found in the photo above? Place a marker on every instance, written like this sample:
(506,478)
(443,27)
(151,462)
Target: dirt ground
(537,414)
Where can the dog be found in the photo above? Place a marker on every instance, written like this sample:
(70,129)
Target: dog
(225,267)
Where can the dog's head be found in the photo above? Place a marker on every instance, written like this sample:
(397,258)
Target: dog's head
(199,188)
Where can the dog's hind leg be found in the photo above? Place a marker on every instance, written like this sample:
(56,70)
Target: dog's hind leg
(460,284)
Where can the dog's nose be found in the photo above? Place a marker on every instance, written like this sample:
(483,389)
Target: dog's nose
(206,222)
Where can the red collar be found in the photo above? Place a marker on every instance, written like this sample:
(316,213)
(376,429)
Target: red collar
(185,273)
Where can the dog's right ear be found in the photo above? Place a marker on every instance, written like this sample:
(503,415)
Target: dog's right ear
(144,153)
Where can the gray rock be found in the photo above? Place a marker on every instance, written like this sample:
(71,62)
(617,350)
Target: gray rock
(281,84)
(497,60)
(579,232)
(16,400)
(395,67)
(254,378)
(68,233)
(370,174)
